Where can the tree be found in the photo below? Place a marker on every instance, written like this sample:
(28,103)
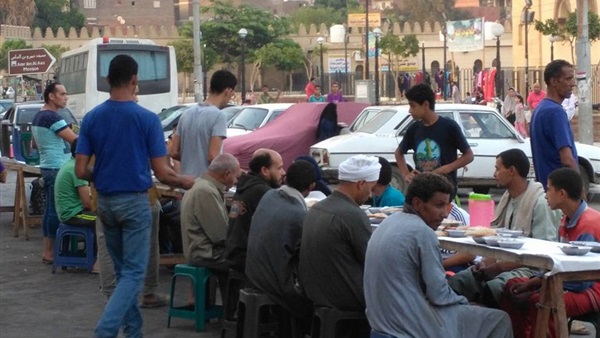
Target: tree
(57,13)
(336,4)
(569,31)
(10,45)
(17,12)
(285,55)
(397,48)
(221,32)
(427,11)
(317,16)
(184,54)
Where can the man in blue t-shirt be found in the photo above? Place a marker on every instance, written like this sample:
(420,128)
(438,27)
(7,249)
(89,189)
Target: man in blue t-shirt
(552,141)
(433,139)
(126,140)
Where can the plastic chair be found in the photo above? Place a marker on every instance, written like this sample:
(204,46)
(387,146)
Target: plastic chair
(327,320)
(23,140)
(66,248)
(257,314)
(235,282)
(592,317)
(200,311)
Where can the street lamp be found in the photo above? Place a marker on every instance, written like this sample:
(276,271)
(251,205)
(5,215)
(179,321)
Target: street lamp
(204,72)
(423,61)
(528,4)
(377,34)
(497,31)
(346,36)
(553,39)
(367,39)
(243,32)
(320,41)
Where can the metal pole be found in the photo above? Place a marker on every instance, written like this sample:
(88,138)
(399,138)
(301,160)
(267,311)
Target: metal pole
(526,51)
(376,71)
(345,63)
(322,70)
(445,63)
(423,56)
(498,69)
(551,51)
(367,40)
(243,68)
(197,36)
(583,74)
(204,73)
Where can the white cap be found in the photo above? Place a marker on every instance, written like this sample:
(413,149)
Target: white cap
(359,168)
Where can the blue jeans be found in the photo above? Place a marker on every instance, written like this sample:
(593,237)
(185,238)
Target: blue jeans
(127,222)
(50,219)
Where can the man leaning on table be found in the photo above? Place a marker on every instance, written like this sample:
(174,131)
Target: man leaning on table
(521,207)
(405,285)
(580,223)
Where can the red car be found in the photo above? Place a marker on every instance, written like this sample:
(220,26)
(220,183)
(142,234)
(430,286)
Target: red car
(291,134)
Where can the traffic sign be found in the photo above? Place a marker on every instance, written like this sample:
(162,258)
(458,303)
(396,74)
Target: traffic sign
(29,61)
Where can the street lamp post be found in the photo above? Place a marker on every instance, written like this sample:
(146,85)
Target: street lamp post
(204,72)
(553,39)
(367,39)
(243,32)
(497,31)
(320,41)
(346,36)
(528,4)
(377,33)
(445,80)
(423,61)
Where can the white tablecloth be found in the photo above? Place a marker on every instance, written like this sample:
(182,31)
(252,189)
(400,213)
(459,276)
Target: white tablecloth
(537,247)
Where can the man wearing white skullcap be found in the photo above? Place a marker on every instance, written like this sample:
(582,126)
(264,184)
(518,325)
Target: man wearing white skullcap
(334,241)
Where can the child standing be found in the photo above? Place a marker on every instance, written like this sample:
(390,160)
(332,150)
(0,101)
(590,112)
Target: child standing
(520,122)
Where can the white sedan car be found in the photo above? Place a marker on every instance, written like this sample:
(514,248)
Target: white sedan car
(487,132)
(253,117)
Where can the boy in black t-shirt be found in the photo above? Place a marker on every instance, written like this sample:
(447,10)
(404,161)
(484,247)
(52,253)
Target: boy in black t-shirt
(433,139)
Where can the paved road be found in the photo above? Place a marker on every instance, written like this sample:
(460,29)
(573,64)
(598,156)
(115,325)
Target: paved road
(35,303)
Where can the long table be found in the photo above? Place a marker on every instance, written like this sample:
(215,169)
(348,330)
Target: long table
(544,255)
(19,208)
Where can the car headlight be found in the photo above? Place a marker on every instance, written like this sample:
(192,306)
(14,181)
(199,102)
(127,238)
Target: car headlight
(321,156)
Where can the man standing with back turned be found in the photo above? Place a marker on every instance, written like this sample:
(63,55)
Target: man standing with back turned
(552,140)
(126,140)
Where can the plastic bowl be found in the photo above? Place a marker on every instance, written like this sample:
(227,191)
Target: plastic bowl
(479,239)
(492,240)
(510,243)
(594,245)
(574,250)
(509,233)
(457,233)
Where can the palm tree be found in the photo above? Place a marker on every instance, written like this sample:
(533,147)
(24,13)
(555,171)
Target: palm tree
(17,12)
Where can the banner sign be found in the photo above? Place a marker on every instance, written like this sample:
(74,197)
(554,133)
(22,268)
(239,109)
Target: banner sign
(337,64)
(465,35)
(371,53)
(409,64)
(359,19)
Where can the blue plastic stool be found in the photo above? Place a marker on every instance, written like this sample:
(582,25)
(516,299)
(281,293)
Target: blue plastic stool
(201,311)
(68,254)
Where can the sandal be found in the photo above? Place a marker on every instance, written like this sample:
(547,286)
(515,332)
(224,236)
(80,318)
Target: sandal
(47,261)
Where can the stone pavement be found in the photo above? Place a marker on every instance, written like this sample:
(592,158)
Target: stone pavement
(34,303)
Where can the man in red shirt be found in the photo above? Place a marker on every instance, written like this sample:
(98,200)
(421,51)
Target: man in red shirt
(310,88)
(535,96)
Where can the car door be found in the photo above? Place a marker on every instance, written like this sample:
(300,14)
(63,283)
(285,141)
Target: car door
(488,135)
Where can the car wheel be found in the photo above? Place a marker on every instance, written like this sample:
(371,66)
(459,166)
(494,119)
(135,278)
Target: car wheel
(398,181)
(585,178)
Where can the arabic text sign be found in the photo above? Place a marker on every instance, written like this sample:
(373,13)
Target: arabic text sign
(337,64)
(409,64)
(465,35)
(29,61)
(359,19)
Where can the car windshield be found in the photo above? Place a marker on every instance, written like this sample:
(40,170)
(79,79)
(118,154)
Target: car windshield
(168,115)
(249,118)
(363,118)
(230,112)
(484,125)
(5,105)
(377,122)
(26,114)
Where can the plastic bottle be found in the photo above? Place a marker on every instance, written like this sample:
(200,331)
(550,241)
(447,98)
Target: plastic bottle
(481,209)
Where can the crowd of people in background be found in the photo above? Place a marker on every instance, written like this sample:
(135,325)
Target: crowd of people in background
(326,254)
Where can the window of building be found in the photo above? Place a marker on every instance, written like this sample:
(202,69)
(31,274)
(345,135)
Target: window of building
(89,3)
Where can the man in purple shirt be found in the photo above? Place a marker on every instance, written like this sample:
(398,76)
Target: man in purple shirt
(335,95)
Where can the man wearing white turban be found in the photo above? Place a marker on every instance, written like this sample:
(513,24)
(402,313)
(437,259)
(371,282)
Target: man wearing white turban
(334,241)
